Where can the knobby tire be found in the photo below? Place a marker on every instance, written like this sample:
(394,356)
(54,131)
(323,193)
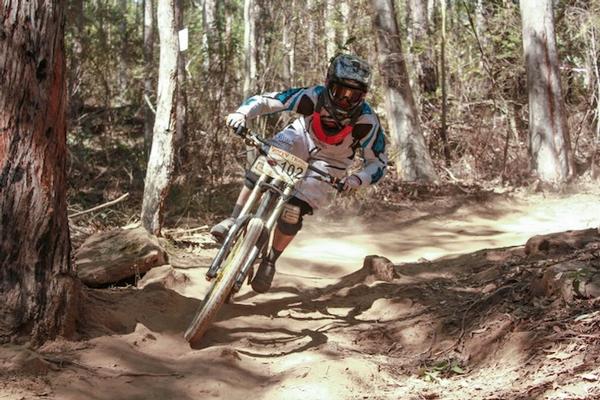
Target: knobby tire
(223,283)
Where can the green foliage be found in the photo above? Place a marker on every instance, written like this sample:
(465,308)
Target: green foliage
(441,369)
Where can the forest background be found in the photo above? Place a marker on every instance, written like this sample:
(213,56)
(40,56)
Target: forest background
(464,60)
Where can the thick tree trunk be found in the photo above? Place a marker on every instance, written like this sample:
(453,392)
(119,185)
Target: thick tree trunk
(413,160)
(148,72)
(549,136)
(159,174)
(37,285)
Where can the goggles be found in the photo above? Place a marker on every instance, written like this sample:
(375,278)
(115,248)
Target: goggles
(345,97)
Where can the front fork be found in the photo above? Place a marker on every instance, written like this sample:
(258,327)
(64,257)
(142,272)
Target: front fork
(264,240)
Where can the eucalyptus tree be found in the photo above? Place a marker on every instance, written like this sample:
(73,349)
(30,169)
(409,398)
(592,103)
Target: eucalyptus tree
(161,165)
(548,131)
(413,159)
(38,287)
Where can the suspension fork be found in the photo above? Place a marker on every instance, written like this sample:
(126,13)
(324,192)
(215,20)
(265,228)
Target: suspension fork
(239,223)
(263,243)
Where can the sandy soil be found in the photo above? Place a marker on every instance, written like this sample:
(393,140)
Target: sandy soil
(463,326)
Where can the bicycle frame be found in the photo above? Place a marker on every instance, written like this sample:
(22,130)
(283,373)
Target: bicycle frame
(250,235)
(267,199)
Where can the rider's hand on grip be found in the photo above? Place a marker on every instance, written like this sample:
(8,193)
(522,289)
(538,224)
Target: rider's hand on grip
(350,183)
(236,120)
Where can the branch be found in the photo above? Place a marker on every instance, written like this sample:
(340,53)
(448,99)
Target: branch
(110,203)
(149,104)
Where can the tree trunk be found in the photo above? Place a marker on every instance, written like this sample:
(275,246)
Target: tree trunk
(444,84)
(288,48)
(345,16)
(38,289)
(122,67)
(330,19)
(181,134)
(549,136)
(210,38)
(148,72)
(74,94)
(418,40)
(413,160)
(159,174)
(312,9)
(250,47)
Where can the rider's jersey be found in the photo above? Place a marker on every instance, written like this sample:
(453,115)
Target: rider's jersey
(367,133)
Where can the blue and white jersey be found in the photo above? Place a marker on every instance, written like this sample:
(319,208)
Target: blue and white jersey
(367,133)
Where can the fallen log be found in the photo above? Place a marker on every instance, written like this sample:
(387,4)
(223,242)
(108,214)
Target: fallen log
(561,242)
(109,257)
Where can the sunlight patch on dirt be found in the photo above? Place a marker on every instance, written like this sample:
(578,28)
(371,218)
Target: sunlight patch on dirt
(346,241)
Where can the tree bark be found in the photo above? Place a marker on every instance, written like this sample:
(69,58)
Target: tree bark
(37,285)
(159,174)
(548,132)
(149,24)
(413,160)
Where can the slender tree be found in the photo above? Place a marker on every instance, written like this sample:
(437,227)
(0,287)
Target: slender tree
(250,50)
(548,132)
(330,18)
(159,174)
(148,71)
(37,284)
(413,160)
(418,40)
(75,70)
(209,35)
(181,132)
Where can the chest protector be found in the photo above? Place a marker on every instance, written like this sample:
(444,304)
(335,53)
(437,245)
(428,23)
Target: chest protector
(326,137)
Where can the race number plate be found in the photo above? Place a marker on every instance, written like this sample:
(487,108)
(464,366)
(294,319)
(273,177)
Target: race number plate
(282,165)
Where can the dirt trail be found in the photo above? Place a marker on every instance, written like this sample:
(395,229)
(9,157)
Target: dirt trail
(327,332)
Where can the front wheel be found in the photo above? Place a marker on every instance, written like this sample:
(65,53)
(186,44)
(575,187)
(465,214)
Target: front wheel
(223,283)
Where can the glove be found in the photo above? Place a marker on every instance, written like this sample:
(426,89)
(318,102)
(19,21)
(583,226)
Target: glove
(351,182)
(235,120)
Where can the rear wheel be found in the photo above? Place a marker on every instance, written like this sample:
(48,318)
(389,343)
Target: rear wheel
(223,283)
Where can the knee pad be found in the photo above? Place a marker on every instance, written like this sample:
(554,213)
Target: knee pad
(290,220)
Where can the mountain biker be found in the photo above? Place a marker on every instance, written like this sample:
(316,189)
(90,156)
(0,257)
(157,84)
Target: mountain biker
(335,122)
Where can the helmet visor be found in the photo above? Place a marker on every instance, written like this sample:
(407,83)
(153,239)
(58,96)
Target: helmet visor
(345,97)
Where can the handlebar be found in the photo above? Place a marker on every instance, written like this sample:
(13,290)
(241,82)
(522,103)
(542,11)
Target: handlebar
(263,148)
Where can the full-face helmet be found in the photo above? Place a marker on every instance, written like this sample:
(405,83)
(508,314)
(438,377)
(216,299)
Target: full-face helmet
(348,79)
